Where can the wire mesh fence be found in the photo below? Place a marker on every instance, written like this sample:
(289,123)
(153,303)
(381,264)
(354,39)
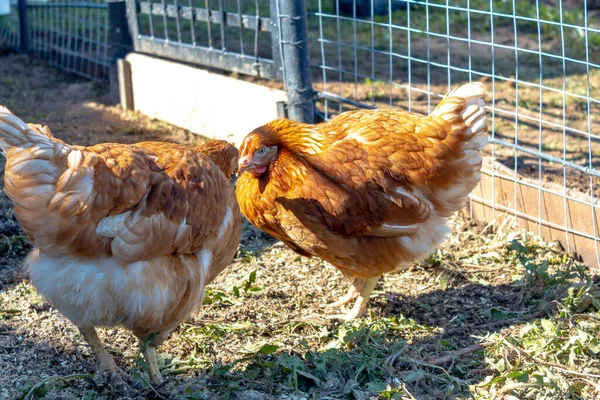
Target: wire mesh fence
(229,34)
(9,28)
(540,61)
(72,35)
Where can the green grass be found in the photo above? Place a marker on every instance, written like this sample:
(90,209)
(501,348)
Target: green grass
(437,16)
(359,354)
(441,22)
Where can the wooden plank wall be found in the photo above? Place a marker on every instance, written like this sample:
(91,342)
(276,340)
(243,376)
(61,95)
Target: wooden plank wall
(498,196)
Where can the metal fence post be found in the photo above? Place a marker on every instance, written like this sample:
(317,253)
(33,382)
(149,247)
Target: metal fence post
(119,38)
(120,44)
(290,44)
(23,26)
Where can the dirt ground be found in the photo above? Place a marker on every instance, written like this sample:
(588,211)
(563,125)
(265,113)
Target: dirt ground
(264,332)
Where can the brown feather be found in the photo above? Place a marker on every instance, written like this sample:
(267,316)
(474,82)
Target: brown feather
(161,216)
(370,190)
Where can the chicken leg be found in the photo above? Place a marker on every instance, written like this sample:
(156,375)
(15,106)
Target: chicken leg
(149,352)
(105,362)
(355,289)
(360,306)
(361,289)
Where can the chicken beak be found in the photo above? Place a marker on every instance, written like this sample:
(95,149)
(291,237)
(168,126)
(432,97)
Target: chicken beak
(244,164)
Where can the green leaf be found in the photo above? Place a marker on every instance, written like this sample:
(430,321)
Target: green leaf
(290,363)
(90,396)
(515,245)
(498,379)
(413,376)
(309,376)
(212,296)
(266,364)
(350,385)
(519,376)
(548,326)
(250,281)
(221,370)
(268,349)
(500,365)
(378,387)
(594,347)
(577,388)
(498,314)
(543,270)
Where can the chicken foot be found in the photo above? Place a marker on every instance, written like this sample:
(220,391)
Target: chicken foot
(361,289)
(360,306)
(355,289)
(105,361)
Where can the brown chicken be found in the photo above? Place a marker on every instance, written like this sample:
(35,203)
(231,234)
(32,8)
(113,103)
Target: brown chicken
(369,191)
(123,234)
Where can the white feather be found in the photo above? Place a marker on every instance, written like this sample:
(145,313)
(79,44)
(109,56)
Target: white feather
(225,223)
(75,159)
(205,260)
(356,136)
(111,226)
(101,292)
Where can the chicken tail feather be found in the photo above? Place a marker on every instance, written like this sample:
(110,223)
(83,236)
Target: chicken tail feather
(16,133)
(34,172)
(464,109)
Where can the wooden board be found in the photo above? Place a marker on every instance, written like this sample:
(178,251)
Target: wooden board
(499,195)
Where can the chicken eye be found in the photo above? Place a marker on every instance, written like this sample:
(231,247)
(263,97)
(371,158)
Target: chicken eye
(262,151)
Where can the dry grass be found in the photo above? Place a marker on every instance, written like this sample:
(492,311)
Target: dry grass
(490,314)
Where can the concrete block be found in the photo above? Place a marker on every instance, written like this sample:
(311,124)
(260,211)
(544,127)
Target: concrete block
(203,102)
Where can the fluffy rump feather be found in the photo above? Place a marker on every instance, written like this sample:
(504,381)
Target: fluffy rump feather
(138,296)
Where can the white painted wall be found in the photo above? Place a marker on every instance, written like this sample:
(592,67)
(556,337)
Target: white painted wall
(203,102)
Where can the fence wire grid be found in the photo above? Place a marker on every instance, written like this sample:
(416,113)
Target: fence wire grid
(229,34)
(72,35)
(9,28)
